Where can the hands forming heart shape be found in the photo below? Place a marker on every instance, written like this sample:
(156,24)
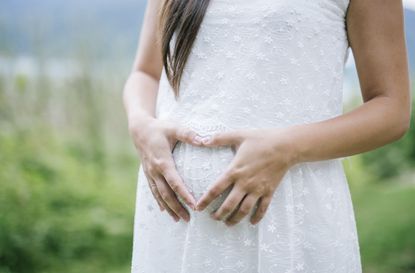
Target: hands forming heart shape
(262,158)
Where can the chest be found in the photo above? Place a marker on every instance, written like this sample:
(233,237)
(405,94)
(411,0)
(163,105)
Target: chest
(278,15)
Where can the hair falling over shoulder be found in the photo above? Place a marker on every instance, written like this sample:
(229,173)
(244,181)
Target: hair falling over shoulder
(183,17)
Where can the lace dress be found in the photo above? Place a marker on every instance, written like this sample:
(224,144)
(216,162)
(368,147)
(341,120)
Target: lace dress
(256,64)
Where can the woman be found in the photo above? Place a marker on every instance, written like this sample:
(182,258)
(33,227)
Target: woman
(235,108)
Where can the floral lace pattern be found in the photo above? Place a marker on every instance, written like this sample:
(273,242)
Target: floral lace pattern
(256,64)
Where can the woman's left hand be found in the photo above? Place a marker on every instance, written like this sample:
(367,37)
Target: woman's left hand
(262,158)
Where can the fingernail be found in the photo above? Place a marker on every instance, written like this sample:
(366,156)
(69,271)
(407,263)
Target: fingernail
(198,139)
(191,203)
(186,218)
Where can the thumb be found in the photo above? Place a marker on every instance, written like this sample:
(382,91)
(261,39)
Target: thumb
(233,138)
(185,134)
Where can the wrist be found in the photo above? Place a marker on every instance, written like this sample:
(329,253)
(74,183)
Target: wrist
(138,124)
(300,147)
(290,147)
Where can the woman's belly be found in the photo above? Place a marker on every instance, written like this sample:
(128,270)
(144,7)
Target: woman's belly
(200,167)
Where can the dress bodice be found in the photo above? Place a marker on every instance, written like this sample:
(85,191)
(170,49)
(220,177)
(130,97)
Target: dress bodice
(263,63)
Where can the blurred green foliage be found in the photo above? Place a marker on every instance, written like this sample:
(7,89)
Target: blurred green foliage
(386,225)
(384,218)
(66,195)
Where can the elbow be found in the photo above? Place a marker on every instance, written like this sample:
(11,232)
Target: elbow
(404,126)
(127,84)
(399,117)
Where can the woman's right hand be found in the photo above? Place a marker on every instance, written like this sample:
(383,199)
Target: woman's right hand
(154,140)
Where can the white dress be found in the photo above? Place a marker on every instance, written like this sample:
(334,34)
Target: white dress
(256,64)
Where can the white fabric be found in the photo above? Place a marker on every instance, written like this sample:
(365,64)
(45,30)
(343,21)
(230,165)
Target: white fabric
(256,64)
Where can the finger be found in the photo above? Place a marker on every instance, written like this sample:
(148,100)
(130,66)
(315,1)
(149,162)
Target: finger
(229,205)
(153,187)
(244,209)
(263,204)
(175,209)
(160,201)
(170,198)
(175,182)
(170,211)
(164,205)
(152,175)
(223,138)
(218,188)
(155,193)
(187,135)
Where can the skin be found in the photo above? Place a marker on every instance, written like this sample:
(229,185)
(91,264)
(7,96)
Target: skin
(376,37)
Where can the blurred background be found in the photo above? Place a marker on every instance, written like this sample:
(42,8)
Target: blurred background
(68,167)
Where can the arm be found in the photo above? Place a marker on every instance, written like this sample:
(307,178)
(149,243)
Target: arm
(376,36)
(140,90)
(153,138)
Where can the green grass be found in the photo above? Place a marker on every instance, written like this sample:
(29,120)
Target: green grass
(386,225)
(60,210)
(385,216)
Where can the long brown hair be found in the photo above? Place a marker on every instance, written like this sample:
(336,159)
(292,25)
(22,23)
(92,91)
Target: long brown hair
(185,17)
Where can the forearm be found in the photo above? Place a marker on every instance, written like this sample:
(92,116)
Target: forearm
(377,122)
(139,97)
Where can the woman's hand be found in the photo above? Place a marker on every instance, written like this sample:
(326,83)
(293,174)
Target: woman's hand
(155,140)
(262,158)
